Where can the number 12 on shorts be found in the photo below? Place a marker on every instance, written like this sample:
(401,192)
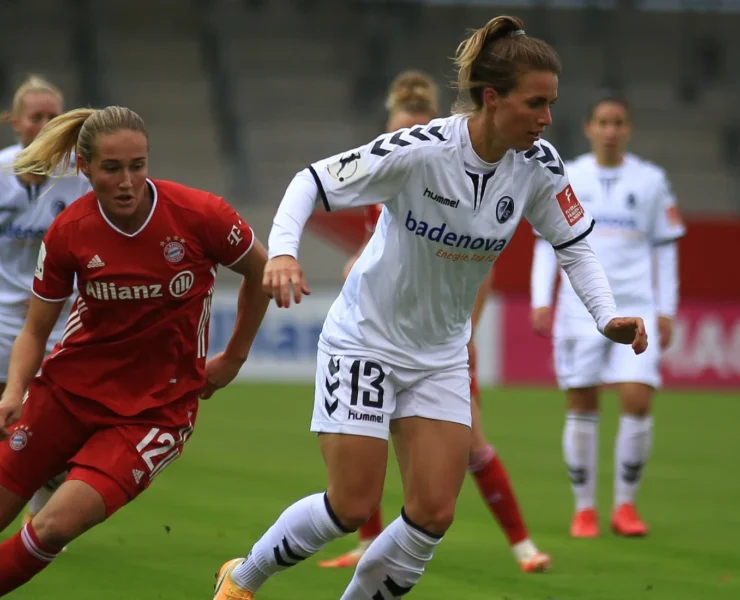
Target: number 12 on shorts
(159,451)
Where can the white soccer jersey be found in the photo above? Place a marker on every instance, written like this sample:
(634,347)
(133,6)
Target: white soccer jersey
(26,212)
(447,218)
(635,211)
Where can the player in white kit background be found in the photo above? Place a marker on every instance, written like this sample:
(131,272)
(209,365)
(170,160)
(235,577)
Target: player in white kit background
(28,205)
(392,355)
(637,227)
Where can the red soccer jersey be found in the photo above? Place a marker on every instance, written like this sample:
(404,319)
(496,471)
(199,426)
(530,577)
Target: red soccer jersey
(137,335)
(372,214)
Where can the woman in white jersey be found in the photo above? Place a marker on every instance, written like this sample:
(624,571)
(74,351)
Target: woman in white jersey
(637,226)
(413,99)
(28,205)
(392,354)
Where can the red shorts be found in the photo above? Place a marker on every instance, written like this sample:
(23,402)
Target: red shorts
(117,456)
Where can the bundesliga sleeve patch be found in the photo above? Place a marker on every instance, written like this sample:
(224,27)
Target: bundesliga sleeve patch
(347,168)
(572,209)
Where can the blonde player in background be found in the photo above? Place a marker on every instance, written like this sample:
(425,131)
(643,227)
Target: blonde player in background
(392,355)
(637,226)
(413,99)
(28,205)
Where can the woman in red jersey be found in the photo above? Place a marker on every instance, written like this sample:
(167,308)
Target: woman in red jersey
(117,398)
(413,100)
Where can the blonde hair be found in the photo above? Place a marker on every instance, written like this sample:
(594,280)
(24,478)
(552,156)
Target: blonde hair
(32,85)
(73,131)
(494,56)
(413,92)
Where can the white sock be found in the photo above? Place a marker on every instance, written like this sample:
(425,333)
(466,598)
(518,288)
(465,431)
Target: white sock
(580,449)
(634,442)
(393,563)
(302,530)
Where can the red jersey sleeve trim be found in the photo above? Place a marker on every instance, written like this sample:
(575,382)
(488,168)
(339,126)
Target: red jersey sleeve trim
(244,253)
(51,299)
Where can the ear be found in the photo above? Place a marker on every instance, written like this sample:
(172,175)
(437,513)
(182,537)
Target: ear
(491,98)
(83,166)
(16,125)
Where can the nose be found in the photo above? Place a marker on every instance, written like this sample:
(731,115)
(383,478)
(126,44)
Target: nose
(546,118)
(126,181)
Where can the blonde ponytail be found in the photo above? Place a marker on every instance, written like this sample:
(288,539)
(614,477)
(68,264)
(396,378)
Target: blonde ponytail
(54,145)
(494,56)
(72,131)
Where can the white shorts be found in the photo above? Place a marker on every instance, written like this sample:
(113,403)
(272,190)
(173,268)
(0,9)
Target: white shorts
(359,396)
(592,360)
(10,326)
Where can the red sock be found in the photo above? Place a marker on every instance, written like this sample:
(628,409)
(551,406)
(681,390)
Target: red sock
(22,557)
(373,528)
(493,484)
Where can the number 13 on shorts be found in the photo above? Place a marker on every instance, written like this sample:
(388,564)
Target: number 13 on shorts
(353,395)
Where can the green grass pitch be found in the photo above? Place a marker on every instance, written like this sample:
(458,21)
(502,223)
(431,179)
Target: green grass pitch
(252,455)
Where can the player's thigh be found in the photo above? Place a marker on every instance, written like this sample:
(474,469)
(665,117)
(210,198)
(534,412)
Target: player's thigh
(41,443)
(624,366)
(354,401)
(432,439)
(74,508)
(580,361)
(121,461)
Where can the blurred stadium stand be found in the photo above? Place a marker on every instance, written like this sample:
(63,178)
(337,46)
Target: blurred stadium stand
(240,94)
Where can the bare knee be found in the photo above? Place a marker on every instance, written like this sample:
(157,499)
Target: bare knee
(430,515)
(636,399)
(582,400)
(353,508)
(71,511)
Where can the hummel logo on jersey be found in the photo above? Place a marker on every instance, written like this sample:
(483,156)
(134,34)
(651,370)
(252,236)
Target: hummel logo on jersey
(441,199)
(138,474)
(95,263)
(442,235)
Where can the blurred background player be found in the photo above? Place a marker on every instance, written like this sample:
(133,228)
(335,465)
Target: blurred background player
(637,227)
(118,397)
(392,356)
(28,205)
(413,99)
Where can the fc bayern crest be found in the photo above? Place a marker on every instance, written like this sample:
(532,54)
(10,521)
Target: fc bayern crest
(174,249)
(18,439)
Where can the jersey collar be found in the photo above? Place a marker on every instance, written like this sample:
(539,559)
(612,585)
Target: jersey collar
(152,187)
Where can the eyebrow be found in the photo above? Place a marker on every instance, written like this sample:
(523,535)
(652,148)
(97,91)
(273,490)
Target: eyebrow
(116,160)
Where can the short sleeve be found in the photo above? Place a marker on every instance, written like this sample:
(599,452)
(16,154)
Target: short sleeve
(228,237)
(555,212)
(54,277)
(667,224)
(371,174)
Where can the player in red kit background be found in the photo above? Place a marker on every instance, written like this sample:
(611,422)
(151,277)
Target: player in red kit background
(412,100)
(117,398)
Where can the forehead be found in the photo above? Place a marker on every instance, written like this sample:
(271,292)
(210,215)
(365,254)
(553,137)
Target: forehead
(402,119)
(538,83)
(121,145)
(609,110)
(34,102)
